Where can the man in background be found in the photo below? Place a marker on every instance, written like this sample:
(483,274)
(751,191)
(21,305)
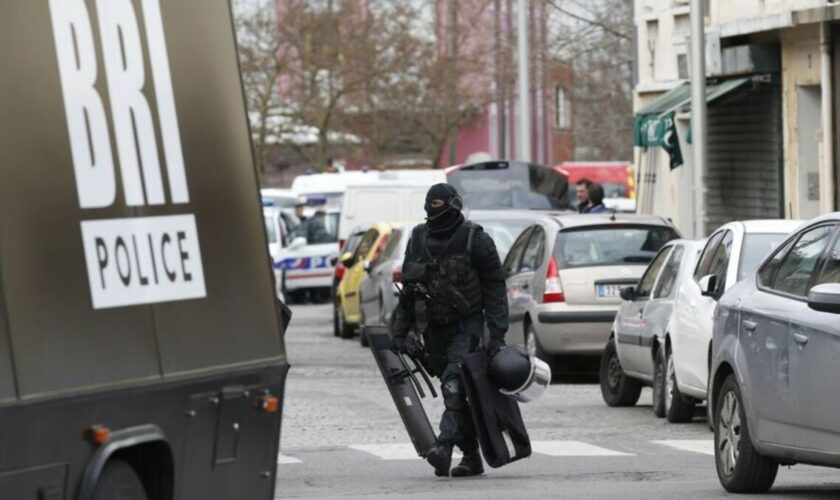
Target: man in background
(582,192)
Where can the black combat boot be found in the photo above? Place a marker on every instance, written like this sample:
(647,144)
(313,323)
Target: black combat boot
(441,458)
(471,465)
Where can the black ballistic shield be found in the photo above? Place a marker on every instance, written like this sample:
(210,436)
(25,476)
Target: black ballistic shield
(498,422)
(400,379)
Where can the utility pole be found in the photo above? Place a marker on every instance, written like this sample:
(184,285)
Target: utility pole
(453,54)
(698,114)
(523,142)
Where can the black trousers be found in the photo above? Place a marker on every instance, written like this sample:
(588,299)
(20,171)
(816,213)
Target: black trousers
(447,344)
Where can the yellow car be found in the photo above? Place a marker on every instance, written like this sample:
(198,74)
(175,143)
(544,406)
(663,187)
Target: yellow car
(347,307)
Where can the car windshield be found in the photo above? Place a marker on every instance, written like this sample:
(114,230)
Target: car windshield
(510,185)
(320,228)
(617,244)
(756,247)
(504,233)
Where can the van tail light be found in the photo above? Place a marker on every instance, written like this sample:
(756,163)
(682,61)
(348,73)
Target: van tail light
(396,275)
(339,271)
(553,286)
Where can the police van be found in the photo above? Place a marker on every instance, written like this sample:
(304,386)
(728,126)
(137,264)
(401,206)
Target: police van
(141,346)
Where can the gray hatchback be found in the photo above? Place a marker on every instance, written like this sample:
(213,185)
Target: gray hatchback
(775,366)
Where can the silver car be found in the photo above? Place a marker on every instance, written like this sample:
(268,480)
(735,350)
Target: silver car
(633,356)
(565,274)
(775,371)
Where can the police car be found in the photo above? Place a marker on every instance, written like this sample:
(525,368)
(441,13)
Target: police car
(306,262)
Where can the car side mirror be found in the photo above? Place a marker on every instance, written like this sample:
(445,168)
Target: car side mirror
(825,298)
(628,293)
(346,259)
(709,285)
(297,243)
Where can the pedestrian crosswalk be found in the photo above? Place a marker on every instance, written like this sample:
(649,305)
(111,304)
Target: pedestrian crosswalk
(559,448)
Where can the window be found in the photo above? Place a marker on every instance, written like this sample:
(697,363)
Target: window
(503,232)
(562,119)
(703,264)
(794,273)
(768,272)
(366,244)
(649,278)
(613,245)
(270,229)
(756,247)
(831,271)
(515,254)
(392,246)
(532,257)
(665,285)
(682,67)
(320,228)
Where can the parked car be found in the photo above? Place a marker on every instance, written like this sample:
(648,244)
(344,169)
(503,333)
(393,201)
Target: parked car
(307,259)
(340,263)
(378,294)
(633,356)
(731,253)
(347,305)
(510,184)
(565,273)
(616,177)
(776,344)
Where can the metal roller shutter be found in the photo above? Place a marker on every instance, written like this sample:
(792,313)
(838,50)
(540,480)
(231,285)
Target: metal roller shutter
(744,170)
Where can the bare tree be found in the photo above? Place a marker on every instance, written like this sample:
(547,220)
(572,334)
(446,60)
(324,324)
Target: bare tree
(596,36)
(262,59)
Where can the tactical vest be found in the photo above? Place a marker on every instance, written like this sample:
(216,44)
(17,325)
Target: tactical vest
(453,283)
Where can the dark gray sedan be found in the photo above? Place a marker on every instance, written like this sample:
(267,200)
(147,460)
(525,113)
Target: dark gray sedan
(776,362)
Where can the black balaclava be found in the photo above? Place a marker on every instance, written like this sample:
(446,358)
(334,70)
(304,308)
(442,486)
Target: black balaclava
(446,218)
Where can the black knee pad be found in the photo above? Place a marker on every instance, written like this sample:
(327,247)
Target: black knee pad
(453,395)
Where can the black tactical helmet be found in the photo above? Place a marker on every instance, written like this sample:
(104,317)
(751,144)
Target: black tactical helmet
(510,368)
(518,375)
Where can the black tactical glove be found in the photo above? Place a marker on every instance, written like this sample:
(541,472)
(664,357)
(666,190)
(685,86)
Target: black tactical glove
(398,342)
(494,346)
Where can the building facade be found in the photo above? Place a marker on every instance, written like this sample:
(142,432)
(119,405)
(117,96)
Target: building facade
(770,67)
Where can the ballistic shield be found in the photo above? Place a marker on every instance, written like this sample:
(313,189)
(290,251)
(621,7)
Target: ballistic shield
(400,374)
(498,422)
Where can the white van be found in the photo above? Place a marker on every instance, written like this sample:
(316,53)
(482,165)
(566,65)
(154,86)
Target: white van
(366,204)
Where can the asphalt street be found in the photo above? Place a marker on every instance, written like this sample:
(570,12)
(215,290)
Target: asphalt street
(342,437)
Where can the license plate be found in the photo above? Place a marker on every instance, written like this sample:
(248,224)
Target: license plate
(609,291)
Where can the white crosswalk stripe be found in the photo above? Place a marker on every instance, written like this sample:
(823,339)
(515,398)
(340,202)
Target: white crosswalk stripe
(704,446)
(284,459)
(391,451)
(573,449)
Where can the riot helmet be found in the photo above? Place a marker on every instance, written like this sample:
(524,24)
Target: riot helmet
(519,375)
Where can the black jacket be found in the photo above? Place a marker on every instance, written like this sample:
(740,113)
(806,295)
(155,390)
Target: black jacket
(485,260)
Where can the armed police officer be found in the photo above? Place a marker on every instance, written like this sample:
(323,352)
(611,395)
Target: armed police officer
(453,282)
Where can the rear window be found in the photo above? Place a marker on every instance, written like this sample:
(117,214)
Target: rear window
(510,185)
(757,246)
(504,233)
(318,229)
(611,245)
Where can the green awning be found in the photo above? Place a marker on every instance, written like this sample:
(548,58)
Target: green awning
(653,125)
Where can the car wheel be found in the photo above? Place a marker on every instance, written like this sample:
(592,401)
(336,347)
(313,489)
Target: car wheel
(678,408)
(119,481)
(532,345)
(617,389)
(336,324)
(345,329)
(740,467)
(362,337)
(659,383)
